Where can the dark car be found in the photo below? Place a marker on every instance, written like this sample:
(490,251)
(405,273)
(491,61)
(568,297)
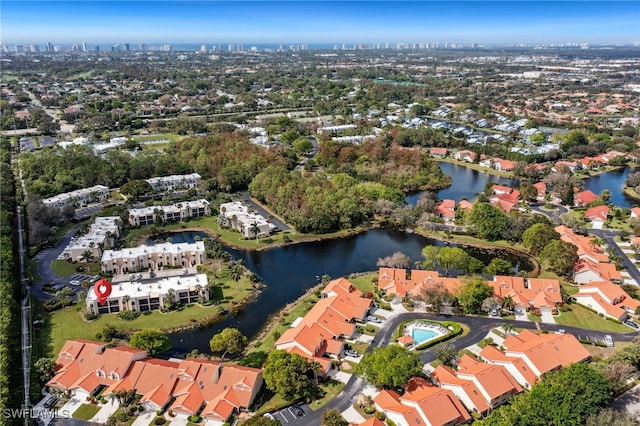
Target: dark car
(297,411)
(632,324)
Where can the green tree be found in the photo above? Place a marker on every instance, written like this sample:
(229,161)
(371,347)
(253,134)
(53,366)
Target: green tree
(537,236)
(230,340)
(136,188)
(333,418)
(152,340)
(472,293)
(488,222)
(260,421)
(447,354)
(45,368)
(528,191)
(565,397)
(286,375)
(254,229)
(560,257)
(389,366)
(499,266)
(430,255)
(302,145)
(452,258)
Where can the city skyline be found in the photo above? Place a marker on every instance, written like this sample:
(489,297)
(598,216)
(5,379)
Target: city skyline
(501,22)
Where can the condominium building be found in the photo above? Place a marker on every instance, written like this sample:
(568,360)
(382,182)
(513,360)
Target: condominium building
(237,216)
(173,182)
(102,234)
(179,211)
(79,197)
(150,294)
(155,257)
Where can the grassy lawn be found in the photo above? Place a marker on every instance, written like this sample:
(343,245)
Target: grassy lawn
(292,313)
(331,390)
(64,268)
(583,318)
(86,412)
(533,317)
(468,239)
(68,323)
(363,282)
(276,402)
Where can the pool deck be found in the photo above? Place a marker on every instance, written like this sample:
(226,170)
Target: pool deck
(425,325)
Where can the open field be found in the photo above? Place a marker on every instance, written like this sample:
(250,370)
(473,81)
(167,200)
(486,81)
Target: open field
(583,318)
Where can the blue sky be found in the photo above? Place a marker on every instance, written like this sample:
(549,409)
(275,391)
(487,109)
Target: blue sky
(202,21)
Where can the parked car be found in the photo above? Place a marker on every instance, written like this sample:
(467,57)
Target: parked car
(351,352)
(630,323)
(608,340)
(371,318)
(297,411)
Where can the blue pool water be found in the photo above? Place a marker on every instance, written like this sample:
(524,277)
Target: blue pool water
(420,335)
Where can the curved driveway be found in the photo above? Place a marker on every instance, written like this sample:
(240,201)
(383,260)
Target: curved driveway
(44,267)
(479,326)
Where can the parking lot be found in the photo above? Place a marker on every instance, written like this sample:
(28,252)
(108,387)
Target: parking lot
(77,279)
(293,414)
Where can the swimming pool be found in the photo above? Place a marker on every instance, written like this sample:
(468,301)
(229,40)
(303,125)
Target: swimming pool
(421,335)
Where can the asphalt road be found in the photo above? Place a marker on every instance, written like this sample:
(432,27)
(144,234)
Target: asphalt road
(479,327)
(608,235)
(47,256)
(246,197)
(550,213)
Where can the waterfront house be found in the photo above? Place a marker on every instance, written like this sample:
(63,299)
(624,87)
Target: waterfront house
(597,216)
(608,299)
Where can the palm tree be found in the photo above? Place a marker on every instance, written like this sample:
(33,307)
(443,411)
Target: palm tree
(87,256)
(123,396)
(508,328)
(125,300)
(254,229)
(237,271)
(315,367)
(507,303)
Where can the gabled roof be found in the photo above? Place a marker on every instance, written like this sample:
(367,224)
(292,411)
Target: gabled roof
(612,293)
(446,376)
(495,380)
(585,197)
(606,271)
(597,213)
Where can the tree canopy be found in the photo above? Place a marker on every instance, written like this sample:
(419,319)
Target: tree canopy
(565,397)
(151,340)
(228,341)
(537,236)
(488,222)
(389,366)
(286,375)
(472,293)
(560,257)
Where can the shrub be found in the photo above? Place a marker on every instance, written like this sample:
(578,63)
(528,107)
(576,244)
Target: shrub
(194,419)
(159,421)
(98,336)
(90,316)
(368,410)
(128,315)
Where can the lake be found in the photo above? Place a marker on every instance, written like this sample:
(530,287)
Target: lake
(614,182)
(291,270)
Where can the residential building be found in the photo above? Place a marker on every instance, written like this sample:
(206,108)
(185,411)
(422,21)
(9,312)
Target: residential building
(530,293)
(79,197)
(174,182)
(583,198)
(465,155)
(150,294)
(179,211)
(186,387)
(102,234)
(528,356)
(422,403)
(503,165)
(608,299)
(480,386)
(394,281)
(322,331)
(542,190)
(438,152)
(154,257)
(446,209)
(250,224)
(586,271)
(587,248)
(597,216)
(635,212)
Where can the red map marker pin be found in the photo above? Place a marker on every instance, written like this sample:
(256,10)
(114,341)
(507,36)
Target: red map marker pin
(102,289)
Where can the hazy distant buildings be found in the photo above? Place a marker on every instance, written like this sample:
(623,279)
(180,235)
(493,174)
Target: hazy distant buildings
(143,47)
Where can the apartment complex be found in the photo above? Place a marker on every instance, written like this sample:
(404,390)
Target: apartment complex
(174,182)
(322,331)
(179,211)
(102,234)
(250,224)
(187,387)
(150,295)
(79,197)
(155,257)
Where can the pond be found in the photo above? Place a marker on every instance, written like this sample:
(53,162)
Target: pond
(614,182)
(289,271)
(177,237)
(466,183)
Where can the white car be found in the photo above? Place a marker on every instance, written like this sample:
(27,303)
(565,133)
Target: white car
(350,352)
(608,340)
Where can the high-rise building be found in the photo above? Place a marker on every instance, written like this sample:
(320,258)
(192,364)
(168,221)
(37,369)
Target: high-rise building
(84,46)
(203,48)
(19,48)
(97,49)
(143,47)
(49,47)
(127,47)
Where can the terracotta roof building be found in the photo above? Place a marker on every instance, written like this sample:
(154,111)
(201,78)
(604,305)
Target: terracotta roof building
(607,298)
